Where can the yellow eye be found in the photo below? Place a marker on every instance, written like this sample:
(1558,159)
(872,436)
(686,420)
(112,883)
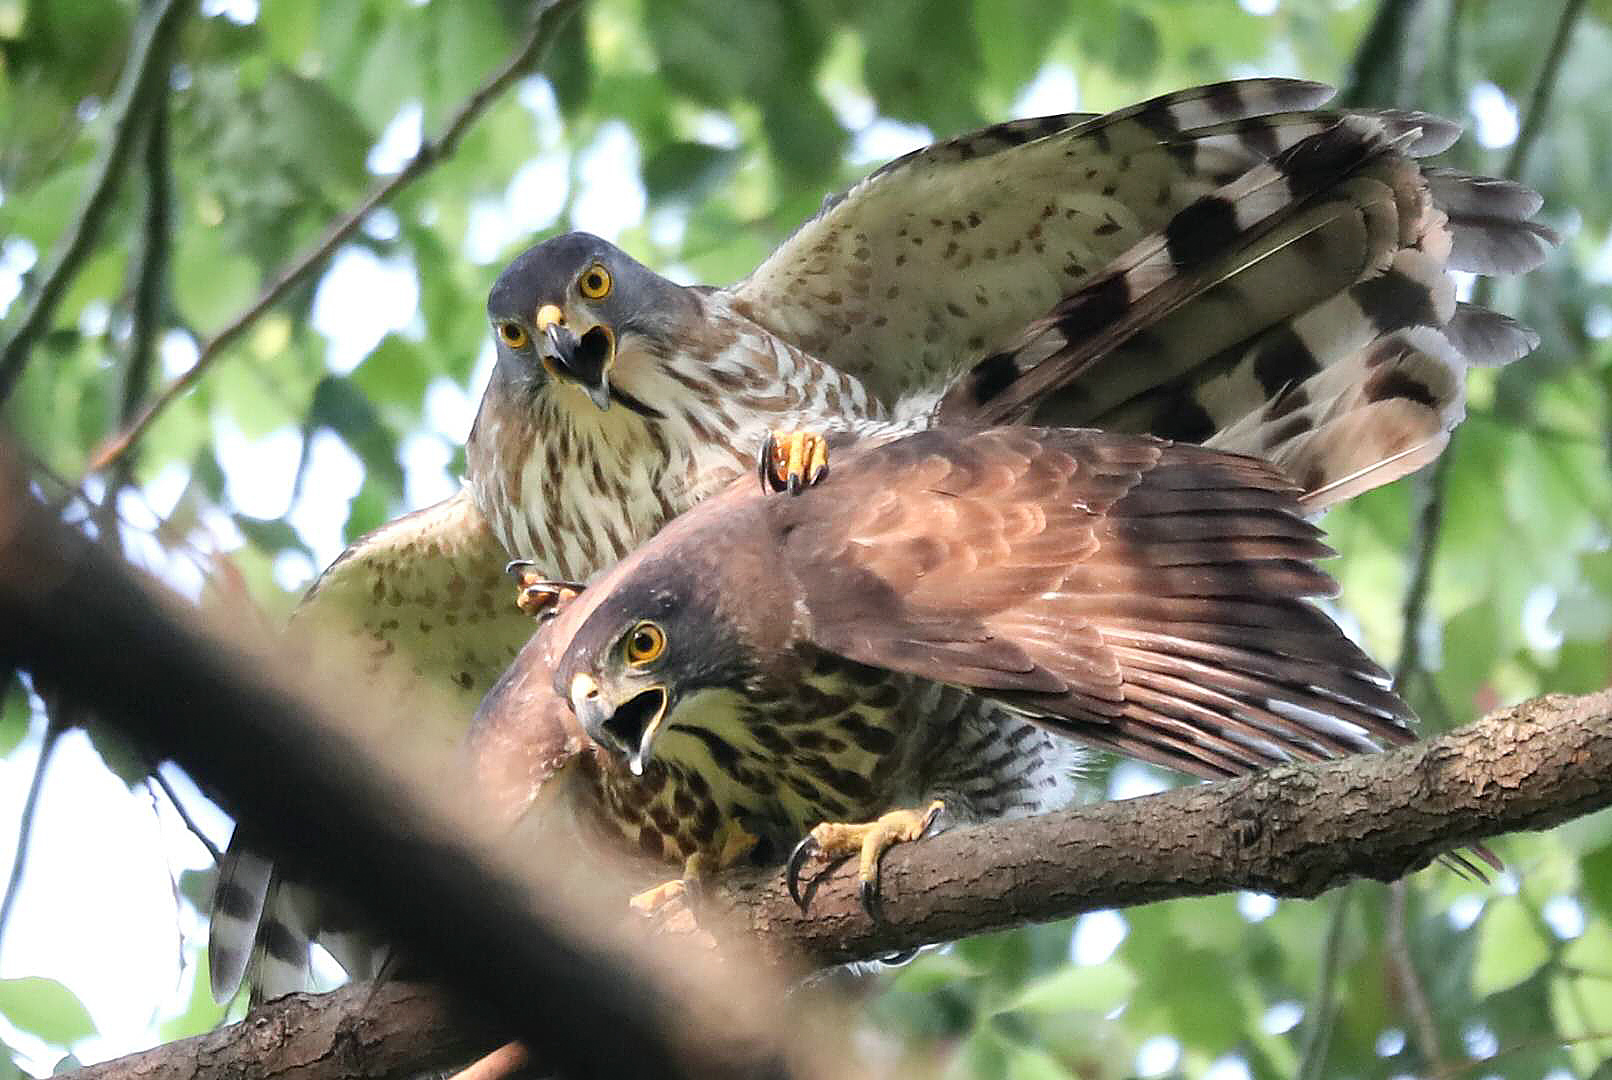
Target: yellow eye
(595,284)
(645,643)
(512,334)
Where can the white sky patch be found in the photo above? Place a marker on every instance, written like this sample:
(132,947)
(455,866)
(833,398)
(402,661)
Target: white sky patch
(1157,1055)
(1597,320)
(1053,90)
(178,352)
(425,469)
(93,320)
(610,197)
(1259,7)
(1496,116)
(1464,911)
(362,298)
(487,230)
(449,408)
(1282,1017)
(1130,780)
(321,512)
(399,141)
(667,226)
(1479,1041)
(1228,1068)
(1390,1042)
(1537,610)
(240,12)
(1256,907)
(1565,916)
(854,109)
(1465,282)
(536,95)
(258,473)
(293,571)
(537,192)
(717,129)
(382,224)
(884,140)
(17,257)
(99,915)
(1097,934)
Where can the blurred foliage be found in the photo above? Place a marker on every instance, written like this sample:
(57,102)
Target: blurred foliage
(737,119)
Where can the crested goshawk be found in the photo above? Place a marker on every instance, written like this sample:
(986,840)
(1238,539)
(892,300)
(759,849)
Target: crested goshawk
(910,639)
(1231,265)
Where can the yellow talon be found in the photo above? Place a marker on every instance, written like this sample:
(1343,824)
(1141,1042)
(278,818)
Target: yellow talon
(536,595)
(869,841)
(651,901)
(792,461)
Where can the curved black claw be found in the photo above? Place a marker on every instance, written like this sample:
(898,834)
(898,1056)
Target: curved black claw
(516,568)
(797,859)
(764,464)
(872,902)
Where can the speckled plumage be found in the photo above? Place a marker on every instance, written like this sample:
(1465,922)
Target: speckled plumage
(1230,264)
(927,623)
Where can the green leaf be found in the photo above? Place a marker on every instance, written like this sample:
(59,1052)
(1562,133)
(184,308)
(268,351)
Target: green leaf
(46,1008)
(1510,948)
(1098,987)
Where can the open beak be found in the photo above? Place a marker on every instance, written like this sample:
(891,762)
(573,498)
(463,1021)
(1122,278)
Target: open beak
(629,729)
(583,360)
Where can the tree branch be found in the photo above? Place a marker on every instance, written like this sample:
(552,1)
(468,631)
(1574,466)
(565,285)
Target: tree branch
(144,75)
(482,916)
(1292,831)
(550,18)
(360,1032)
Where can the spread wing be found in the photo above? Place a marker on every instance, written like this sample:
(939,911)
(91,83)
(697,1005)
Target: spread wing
(1147,597)
(1304,312)
(946,253)
(419,615)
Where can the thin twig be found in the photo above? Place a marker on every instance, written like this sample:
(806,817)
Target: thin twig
(1318,1035)
(25,827)
(432,152)
(1424,1032)
(149,291)
(155,775)
(144,74)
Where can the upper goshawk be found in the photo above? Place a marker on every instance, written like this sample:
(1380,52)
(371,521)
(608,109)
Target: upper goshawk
(1229,265)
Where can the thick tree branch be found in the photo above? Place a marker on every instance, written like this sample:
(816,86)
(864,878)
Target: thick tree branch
(359,1032)
(80,620)
(376,827)
(1292,831)
(144,76)
(552,15)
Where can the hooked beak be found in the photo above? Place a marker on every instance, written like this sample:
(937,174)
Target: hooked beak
(583,360)
(628,729)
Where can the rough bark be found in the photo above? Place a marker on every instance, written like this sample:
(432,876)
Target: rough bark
(356,1033)
(430,875)
(1292,831)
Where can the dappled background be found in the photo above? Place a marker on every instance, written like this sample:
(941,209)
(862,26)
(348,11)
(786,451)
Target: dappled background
(696,134)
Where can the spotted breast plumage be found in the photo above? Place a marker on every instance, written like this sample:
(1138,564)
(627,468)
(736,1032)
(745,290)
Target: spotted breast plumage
(907,642)
(1231,265)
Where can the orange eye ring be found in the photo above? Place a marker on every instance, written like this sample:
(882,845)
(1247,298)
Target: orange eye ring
(512,334)
(646,642)
(595,283)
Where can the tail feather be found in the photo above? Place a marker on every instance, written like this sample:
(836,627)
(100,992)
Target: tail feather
(1304,311)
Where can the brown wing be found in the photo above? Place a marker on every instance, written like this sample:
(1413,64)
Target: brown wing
(1144,596)
(522,734)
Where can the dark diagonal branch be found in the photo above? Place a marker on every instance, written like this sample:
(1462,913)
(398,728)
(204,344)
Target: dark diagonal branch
(377,827)
(483,917)
(145,75)
(1294,831)
(431,153)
